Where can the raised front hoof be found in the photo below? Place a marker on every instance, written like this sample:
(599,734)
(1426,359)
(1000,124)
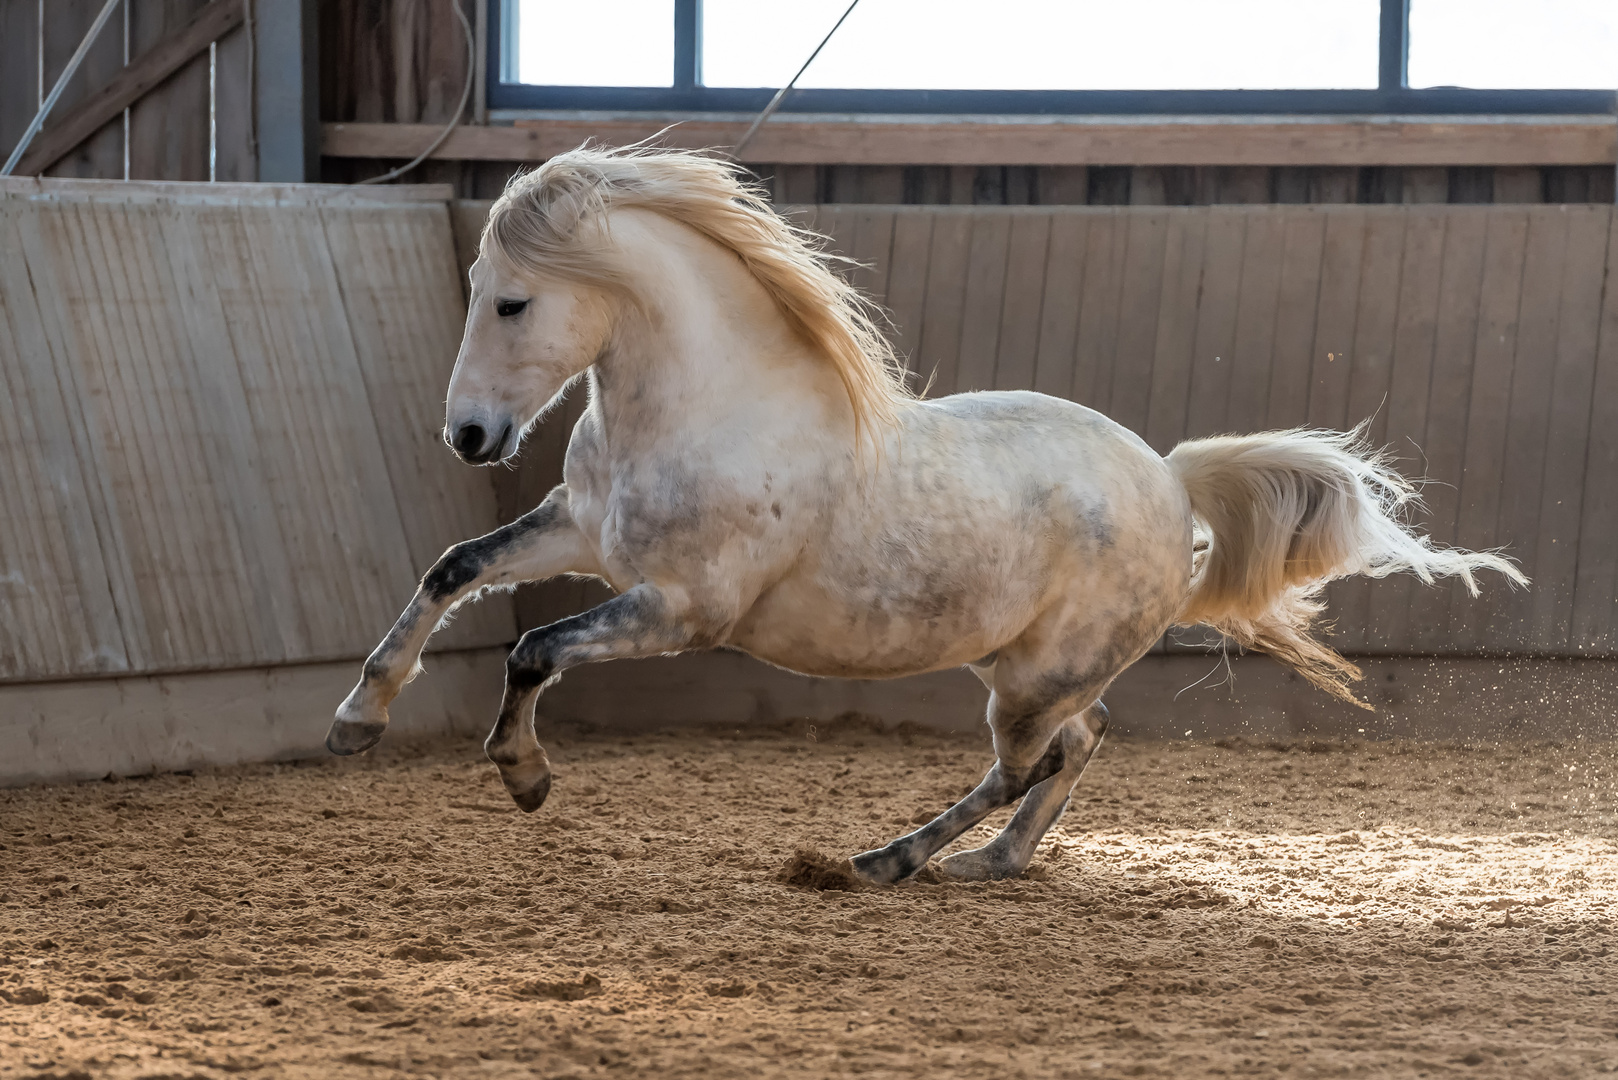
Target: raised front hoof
(884,866)
(530,796)
(982,864)
(354,736)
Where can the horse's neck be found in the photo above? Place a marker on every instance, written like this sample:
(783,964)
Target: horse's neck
(706,350)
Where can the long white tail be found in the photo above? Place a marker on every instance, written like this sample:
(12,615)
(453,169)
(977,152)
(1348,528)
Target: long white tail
(1285,512)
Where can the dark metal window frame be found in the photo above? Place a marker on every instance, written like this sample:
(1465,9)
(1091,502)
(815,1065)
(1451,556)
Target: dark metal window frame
(687,94)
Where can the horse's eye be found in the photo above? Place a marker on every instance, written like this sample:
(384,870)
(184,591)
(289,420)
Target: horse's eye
(507,308)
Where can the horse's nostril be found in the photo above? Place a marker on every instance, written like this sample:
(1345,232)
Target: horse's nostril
(468,440)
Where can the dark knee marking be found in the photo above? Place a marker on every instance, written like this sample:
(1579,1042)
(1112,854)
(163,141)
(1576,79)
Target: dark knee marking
(455,570)
(460,565)
(1046,767)
(528,667)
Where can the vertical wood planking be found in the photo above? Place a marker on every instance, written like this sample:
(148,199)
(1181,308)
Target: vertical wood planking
(1409,383)
(1174,349)
(396,268)
(1216,322)
(168,127)
(311,391)
(1483,460)
(1257,307)
(1334,319)
(60,616)
(1522,476)
(1302,249)
(985,292)
(907,286)
(57,396)
(1570,378)
(1595,594)
(1370,368)
(871,247)
(939,353)
(1018,338)
(66,22)
(1444,441)
(1376,317)
(1061,293)
(233,445)
(1131,390)
(1096,340)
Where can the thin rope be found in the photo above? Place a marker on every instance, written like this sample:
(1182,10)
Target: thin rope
(780,95)
(460,110)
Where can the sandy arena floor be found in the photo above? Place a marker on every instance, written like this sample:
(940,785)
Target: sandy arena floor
(1230,909)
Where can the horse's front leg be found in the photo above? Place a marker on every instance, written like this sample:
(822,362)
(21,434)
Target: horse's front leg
(542,543)
(644,621)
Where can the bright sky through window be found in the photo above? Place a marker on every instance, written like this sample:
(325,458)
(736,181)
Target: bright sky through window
(1045,44)
(1073,44)
(1515,44)
(596,43)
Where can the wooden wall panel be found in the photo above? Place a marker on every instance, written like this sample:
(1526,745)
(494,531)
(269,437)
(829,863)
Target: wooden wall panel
(1594,628)
(1443,444)
(222,409)
(402,296)
(57,610)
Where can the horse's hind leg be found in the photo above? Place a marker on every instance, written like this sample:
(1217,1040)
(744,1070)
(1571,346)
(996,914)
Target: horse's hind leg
(542,543)
(1028,754)
(1009,853)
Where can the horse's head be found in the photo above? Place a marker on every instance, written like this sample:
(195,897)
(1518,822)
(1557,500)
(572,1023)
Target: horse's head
(526,336)
(553,276)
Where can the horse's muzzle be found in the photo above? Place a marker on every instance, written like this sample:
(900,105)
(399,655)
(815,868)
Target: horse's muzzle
(474,445)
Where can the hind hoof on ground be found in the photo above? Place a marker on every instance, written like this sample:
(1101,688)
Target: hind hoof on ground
(884,866)
(981,864)
(532,797)
(354,737)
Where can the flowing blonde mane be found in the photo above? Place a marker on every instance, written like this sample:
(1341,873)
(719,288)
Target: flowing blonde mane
(551,221)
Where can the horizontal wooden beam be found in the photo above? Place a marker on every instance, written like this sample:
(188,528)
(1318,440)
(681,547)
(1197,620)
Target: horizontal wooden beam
(142,75)
(1192,140)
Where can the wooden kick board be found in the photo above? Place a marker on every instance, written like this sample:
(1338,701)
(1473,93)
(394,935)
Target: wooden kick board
(219,418)
(1482,341)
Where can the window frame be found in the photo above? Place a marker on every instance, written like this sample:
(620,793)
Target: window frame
(1393,94)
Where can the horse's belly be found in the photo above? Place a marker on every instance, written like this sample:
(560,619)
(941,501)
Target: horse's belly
(870,646)
(881,628)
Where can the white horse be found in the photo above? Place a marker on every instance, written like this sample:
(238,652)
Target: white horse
(751,472)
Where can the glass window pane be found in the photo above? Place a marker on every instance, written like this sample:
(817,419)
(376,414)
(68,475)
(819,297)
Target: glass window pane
(621,43)
(1045,44)
(1514,44)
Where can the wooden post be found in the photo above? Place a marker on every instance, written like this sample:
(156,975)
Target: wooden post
(288,77)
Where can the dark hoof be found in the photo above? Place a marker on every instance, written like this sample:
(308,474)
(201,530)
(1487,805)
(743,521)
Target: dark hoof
(348,737)
(884,866)
(532,798)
